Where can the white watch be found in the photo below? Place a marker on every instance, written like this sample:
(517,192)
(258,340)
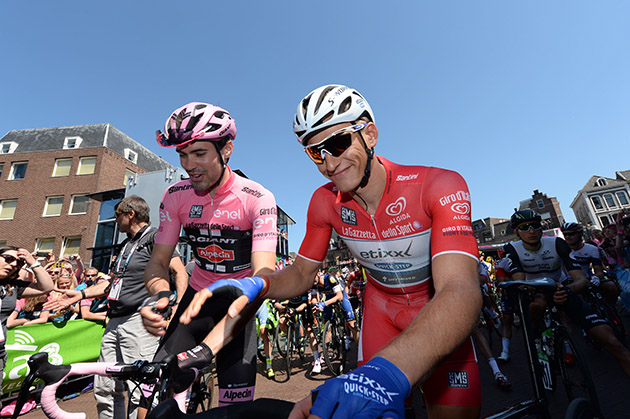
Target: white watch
(35,265)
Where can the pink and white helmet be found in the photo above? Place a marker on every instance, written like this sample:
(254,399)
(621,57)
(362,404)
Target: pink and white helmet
(329,105)
(196,121)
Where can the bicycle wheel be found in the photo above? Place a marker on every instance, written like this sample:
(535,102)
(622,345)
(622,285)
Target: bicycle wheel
(291,350)
(573,371)
(333,347)
(582,409)
(201,393)
(281,343)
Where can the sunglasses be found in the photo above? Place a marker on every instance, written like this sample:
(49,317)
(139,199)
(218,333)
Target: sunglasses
(55,272)
(119,213)
(10,259)
(526,227)
(335,144)
(91,275)
(567,233)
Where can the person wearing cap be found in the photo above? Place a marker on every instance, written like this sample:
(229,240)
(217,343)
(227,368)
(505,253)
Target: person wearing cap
(410,227)
(230,223)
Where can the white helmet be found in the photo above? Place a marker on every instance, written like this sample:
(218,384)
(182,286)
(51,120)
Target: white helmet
(329,105)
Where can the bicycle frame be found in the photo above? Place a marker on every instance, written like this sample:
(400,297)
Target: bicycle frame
(54,375)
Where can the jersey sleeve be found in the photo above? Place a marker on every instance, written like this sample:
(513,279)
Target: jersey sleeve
(170,226)
(448,202)
(318,229)
(264,214)
(514,261)
(564,251)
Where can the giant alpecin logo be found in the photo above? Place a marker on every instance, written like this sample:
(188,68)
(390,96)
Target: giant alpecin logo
(215,254)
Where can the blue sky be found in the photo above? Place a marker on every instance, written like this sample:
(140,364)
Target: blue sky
(515,96)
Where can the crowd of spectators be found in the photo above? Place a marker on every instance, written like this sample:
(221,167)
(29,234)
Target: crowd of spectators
(66,273)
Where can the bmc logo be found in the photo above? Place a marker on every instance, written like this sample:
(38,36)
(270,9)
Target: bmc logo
(395,208)
(215,254)
(458,379)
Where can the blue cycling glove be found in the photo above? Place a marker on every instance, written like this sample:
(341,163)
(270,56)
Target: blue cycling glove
(321,306)
(250,286)
(377,389)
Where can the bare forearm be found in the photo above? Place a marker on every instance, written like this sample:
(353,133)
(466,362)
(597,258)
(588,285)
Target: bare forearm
(228,328)
(289,282)
(442,325)
(155,277)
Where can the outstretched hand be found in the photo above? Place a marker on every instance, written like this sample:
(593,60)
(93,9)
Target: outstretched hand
(249,287)
(67,298)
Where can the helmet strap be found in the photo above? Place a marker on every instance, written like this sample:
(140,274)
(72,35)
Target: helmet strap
(223,166)
(368,166)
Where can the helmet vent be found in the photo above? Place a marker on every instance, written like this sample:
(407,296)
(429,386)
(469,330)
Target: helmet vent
(324,119)
(345,105)
(322,96)
(305,103)
(210,127)
(219,114)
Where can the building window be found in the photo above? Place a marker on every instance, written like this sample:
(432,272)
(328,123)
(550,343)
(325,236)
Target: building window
(71,245)
(597,203)
(53,206)
(62,167)
(3,243)
(610,200)
(601,182)
(87,165)
(79,204)
(72,142)
(18,170)
(131,155)
(45,245)
(604,220)
(540,203)
(621,196)
(1,168)
(8,147)
(128,174)
(7,209)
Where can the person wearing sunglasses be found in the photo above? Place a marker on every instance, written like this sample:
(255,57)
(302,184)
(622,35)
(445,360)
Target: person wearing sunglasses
(535,256)
(230,222)
(589,258)
(12,260)
(409,227)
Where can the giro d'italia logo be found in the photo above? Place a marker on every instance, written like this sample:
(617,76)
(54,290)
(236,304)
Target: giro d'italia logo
(397,207)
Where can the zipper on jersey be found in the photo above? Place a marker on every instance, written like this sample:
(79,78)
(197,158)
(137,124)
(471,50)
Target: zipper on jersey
(390,260)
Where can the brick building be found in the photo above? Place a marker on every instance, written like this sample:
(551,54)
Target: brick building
(548,208)
(601,198)
(48,177)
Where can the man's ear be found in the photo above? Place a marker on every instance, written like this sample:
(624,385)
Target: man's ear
(370,135)
(227,149)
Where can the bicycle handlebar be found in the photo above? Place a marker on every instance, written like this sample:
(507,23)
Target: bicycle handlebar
(54,375)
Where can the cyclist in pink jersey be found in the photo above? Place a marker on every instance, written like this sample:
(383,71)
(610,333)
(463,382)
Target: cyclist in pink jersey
(230,222)
(409,226)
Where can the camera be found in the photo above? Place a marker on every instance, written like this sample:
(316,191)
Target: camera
(41,254)
(72,257)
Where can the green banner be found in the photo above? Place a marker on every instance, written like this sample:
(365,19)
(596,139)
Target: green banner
(66,343)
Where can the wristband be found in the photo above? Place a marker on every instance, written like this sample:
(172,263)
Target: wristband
(620,233)
(83,294)
(35,265)
(266,289)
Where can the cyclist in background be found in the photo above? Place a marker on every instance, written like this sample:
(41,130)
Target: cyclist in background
(331,290)
(263,318)
(589,259)
(535,256)
(409,226)
(502,271)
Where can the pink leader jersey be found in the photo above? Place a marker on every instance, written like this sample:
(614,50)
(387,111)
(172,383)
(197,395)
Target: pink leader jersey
(223,231)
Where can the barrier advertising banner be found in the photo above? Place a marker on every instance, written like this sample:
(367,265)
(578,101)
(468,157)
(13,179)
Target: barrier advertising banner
(66,343)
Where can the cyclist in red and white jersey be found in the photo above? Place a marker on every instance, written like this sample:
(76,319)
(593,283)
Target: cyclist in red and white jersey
(230,222)
(409,226)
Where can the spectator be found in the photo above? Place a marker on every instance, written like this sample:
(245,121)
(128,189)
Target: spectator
(11,288)
(29,311)
(66,281)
